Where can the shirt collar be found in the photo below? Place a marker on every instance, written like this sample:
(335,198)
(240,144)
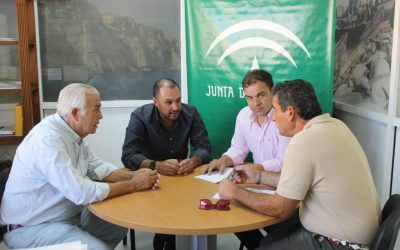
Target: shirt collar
(156,114)
(75,137)
(318,119)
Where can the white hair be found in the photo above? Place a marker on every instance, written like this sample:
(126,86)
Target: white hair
(74,96)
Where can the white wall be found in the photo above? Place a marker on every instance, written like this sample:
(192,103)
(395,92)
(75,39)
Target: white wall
(110,135)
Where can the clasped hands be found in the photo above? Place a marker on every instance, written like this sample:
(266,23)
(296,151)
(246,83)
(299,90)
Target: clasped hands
(145,178)
(175,167)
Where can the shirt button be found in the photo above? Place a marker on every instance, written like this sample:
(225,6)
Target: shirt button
(172,151)
(170,139)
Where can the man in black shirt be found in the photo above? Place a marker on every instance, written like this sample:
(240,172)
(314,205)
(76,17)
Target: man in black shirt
(158,136)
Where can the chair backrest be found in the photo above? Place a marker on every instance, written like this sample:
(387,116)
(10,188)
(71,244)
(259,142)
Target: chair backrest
(385,238)
(3,180)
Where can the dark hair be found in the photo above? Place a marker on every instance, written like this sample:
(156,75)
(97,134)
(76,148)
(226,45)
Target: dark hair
(300,95)
(162,83)
(255,75)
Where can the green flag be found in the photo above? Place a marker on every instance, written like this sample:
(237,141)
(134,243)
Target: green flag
(225,39)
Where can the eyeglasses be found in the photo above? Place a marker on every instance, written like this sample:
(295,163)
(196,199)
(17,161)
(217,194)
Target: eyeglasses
(206,204)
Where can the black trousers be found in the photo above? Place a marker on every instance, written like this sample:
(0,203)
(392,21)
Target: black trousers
(164,242)
(251,239)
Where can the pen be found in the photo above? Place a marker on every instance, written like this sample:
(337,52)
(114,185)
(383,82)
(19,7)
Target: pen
(230,178)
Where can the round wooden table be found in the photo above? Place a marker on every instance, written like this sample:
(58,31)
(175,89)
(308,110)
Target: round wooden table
(173,209)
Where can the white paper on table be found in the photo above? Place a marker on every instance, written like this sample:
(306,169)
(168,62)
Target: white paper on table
(215,176)
(255,190)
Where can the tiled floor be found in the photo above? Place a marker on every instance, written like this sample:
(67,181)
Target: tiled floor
(144,241)
(224,242)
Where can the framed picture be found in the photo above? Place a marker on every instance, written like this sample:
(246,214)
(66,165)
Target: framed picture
(121,47)
(363,53)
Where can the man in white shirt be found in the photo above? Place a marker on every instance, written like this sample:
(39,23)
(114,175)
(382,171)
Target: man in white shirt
(55,175)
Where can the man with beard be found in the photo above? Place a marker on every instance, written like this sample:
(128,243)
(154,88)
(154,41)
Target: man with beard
(158,135)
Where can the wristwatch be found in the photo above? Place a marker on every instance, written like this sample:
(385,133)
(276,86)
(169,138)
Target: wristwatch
(152,165)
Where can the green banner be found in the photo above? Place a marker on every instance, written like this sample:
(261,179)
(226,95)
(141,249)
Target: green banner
(225,39)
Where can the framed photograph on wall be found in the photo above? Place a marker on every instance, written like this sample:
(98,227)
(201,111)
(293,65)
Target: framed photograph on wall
(121,47)
(363,53)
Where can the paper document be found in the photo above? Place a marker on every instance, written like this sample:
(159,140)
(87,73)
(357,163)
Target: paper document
(10,85)
(6,130)
(215,176)
(255,190)
(75,245)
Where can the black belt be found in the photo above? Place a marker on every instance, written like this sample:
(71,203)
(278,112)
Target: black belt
(12,227)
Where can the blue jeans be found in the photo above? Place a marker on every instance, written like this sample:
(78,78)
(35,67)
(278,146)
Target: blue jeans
(85,227)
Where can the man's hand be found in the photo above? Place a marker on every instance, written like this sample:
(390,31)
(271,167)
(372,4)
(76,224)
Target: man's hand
(145,179)
(247,174)
(219,164)
(168,167)
(226,189)
(186,166)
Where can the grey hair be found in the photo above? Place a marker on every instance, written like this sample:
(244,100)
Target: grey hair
(74,96)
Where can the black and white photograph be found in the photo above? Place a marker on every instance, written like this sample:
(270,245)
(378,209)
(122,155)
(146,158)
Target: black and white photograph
(363,53)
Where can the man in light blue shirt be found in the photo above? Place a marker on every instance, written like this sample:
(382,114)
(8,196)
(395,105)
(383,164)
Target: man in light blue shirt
(55,175)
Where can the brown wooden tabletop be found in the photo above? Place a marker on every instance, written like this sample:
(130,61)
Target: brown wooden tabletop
(173,209)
